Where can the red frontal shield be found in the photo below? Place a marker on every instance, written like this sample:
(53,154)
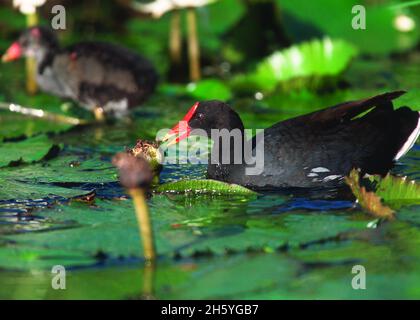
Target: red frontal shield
(181,130)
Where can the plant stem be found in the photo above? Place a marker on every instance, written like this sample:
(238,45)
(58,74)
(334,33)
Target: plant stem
(193,45)
(39,113)
(31,85)
(144,223)
(175,47)
(149,281)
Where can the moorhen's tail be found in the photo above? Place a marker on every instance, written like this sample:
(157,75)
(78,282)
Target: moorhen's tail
(408,123)
(325,145)
(377,134)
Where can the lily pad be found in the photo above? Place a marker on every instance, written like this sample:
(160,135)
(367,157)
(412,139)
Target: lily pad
(186,227)
(63,177)
(16,190)
(306,65)
(27,151)
(14,126)
(397,191)
(203,187)
(17,258)
(70,170)
(169,281)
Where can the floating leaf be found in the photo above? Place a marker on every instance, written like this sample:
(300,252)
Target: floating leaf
(65,169)
(397,191)
(14,125)
(65,176)
(18,124)
(221,277)
(21,257)
(368,200)
(19,190)
(306,65)
(184,226)
(27,151)
(203,187)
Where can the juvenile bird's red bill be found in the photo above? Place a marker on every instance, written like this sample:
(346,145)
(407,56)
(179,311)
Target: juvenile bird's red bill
(13,53)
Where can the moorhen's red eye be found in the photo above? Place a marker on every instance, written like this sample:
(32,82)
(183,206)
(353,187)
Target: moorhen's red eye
(200,116)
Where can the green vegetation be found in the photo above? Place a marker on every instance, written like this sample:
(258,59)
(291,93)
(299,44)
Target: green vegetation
(271,60)
(202,187)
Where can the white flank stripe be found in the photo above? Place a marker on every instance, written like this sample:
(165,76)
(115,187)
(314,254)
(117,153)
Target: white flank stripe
(332,177)
(320,169)
(410,141)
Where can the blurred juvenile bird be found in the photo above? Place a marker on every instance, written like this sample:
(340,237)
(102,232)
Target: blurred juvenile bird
(104,78)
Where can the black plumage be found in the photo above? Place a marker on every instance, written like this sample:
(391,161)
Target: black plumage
(315,149)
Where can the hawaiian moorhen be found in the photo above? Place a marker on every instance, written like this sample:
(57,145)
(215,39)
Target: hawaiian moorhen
(315,149)
(101,77)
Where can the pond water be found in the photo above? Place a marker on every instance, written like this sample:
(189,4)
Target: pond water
(276,245)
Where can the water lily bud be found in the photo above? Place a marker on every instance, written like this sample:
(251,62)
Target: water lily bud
(150,151)
(135,172)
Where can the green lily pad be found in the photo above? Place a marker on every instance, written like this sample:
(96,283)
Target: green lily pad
(64,170)
(18,258)
(169,281)
(203,187)
(65,176)
(397,191)
(182,226)
(15,126)
(11,189)
(306,65)
(27,151)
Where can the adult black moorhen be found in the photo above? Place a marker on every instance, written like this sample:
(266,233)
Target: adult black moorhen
(312,150)
(101,77)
